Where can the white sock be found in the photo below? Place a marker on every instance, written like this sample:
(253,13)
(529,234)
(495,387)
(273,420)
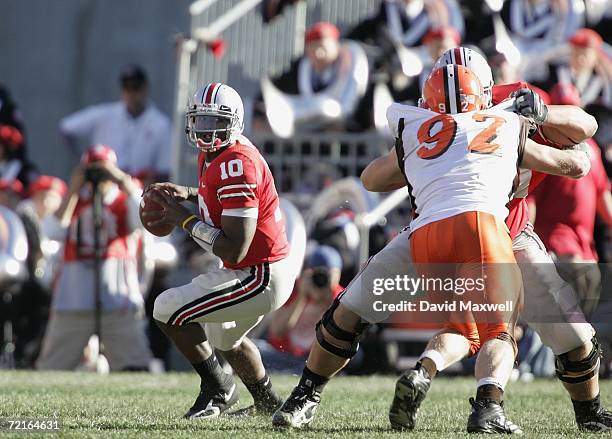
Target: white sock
(434,356)
(490,380)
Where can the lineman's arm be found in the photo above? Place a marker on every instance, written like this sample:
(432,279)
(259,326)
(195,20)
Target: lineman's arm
(383,174)
(573,163)
(568,125)
(564,125)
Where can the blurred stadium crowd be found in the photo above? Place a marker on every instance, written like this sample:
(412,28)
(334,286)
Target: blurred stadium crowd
(342,83)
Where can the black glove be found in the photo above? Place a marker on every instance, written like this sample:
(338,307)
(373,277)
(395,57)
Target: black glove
(529,104)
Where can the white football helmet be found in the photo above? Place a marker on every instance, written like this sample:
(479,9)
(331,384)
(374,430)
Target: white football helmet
(215,117)
(474,61)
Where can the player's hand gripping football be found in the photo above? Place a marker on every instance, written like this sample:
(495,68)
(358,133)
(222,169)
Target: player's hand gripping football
(529,104)
(172,211)
(178,192)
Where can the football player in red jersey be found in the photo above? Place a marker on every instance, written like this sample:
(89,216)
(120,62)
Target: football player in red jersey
(239,221)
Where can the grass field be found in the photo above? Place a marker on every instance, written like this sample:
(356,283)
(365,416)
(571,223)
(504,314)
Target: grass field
(142,405)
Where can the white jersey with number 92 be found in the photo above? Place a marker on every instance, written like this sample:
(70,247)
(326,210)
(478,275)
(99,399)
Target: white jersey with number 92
(457,163)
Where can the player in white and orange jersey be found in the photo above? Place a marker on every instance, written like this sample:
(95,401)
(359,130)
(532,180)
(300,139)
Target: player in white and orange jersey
(551,306)
(339,330)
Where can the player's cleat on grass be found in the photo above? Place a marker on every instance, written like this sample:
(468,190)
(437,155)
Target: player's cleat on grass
(265,406)
(410,391)
(299,409)
(488,416)
(212,403)
(598,420)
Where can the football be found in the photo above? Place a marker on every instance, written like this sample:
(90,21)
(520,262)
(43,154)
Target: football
(147,205)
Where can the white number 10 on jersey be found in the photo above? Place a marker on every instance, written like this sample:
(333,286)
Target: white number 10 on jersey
(233,168)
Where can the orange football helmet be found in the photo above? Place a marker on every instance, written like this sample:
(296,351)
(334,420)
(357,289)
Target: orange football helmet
(453,89)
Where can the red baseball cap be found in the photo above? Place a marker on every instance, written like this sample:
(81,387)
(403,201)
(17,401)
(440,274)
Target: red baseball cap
(442,32)
(565,94)
(586,38)
(11,136)
(98,153)
(12,185)
(48,182)
(320,30)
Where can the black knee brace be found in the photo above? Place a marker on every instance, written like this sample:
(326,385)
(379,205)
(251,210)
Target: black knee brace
(327,322)
(575,372)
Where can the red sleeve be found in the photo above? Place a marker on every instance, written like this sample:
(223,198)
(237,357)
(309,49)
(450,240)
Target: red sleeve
(239,182)
(598,171)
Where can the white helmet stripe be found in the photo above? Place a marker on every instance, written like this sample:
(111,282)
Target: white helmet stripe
(449,77)
(210,90)
(214,98)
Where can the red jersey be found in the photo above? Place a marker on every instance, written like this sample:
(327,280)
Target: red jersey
(518,215)
(566,210)
(238,182)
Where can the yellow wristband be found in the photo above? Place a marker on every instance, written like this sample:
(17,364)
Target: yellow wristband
(188,219)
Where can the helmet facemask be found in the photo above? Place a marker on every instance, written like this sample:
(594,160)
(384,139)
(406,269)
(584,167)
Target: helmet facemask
(210,129)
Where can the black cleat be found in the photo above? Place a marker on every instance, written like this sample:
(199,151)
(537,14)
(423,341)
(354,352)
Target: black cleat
(298,410)
(266,406)
(488,417)
(410,391)
(212,403)
(598,420)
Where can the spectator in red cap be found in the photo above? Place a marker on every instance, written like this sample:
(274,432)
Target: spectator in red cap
(564,210)
(589,69)
(321,89)
(72,320)
(45,195)
(322,48)
(133,126)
